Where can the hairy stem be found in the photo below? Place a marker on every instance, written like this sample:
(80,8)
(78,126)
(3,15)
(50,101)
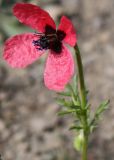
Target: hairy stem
(82,92)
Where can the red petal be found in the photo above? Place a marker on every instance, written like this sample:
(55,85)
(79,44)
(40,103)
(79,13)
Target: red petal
(59,69)
(19,50)
(67,27)
(33,16)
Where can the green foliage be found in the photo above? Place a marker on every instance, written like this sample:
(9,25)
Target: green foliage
(66,112)
(70,101)
(101,108)
(64,94)
(74,127)
(65,103)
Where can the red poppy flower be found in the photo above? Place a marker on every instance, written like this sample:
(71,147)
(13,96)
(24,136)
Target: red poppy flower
(22,50)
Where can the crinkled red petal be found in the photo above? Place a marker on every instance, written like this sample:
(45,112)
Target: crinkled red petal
(19,50)
(59,69)
(67,27)
(33,16)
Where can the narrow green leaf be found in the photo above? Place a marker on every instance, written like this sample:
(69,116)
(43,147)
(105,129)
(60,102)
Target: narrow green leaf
(102,107)
(76,103)
(69,104)
(70,88)
(64,94)
(63,102)
(76,127)
(66,112)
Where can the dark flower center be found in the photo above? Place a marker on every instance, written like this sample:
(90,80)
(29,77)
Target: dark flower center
(51,39)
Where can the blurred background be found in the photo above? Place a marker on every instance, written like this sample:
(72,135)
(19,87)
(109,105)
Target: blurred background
(29,126)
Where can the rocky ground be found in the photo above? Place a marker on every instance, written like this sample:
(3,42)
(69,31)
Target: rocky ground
(29,125)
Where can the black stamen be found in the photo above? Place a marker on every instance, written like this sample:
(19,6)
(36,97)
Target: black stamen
(51,39)
(41,43)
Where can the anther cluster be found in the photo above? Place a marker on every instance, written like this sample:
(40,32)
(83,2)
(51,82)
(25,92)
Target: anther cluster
(42,43)
(51,39)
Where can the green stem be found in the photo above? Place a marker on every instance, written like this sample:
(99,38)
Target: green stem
(82,92)
(85,146)
(81,77)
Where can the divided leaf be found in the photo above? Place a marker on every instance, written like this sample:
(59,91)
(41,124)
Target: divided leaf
(64,94)
(76,128)
(102,107)
(66,112)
